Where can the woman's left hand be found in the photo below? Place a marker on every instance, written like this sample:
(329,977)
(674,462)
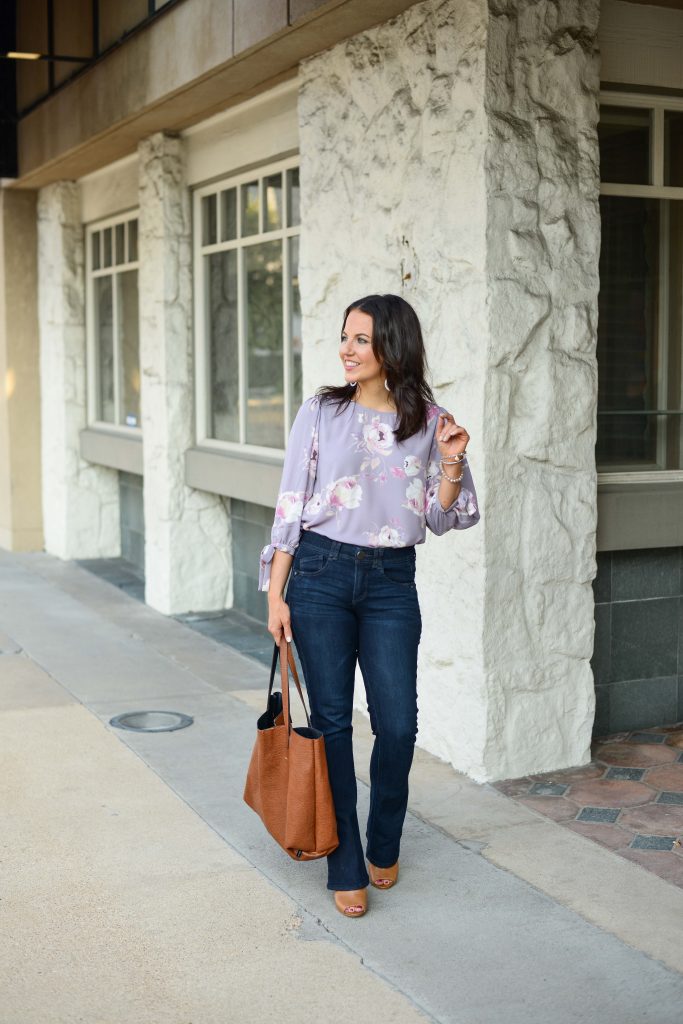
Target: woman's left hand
(451,437)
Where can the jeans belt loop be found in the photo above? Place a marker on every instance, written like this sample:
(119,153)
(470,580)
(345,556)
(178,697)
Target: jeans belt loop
(334,548)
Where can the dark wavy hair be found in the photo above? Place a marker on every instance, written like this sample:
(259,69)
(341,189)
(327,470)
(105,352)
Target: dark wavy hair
(398,346)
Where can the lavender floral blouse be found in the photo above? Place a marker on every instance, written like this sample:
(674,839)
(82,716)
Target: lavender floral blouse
(345,476)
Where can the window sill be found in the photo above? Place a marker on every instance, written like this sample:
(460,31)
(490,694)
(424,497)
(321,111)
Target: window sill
(640,511)
(112,448)
(234,475)
(648,476)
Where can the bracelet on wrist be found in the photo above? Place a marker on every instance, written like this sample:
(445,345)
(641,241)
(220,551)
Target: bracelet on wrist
(453,479)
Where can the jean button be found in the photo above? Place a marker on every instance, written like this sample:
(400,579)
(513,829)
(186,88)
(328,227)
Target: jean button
(361,554)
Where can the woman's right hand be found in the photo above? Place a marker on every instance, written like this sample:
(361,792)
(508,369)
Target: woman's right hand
(278,620)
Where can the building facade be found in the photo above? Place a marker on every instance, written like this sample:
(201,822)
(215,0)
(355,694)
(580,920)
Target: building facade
(201,187)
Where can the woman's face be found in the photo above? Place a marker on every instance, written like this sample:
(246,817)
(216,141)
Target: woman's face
(355,349)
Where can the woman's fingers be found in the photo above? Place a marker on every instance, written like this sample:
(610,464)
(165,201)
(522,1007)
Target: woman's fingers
(279,624)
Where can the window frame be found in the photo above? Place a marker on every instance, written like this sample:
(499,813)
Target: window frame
(657,104)
(93,368)
(201,341)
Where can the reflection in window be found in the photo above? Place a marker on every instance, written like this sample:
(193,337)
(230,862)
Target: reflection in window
(673,147)
(640,333)
(104,334)
(250,208)
(113,283)
(272,202)
(295,328)
(129,391)
(639,336)
(250,308)
(624,136)
(265,383)
(221,274)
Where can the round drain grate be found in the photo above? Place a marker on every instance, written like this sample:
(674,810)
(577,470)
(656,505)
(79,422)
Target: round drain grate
(151,721)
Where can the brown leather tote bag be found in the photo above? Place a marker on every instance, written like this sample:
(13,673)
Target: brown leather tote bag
(287,781)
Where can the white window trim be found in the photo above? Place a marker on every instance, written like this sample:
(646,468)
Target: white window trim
(202,382)
(657,103)
(92,368)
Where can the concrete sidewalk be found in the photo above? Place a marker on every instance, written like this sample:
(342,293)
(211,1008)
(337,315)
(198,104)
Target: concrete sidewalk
(137,887)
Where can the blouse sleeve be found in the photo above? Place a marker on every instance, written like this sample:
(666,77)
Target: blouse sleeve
(296,487)
(461,513)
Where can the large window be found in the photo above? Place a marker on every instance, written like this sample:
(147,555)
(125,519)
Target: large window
(640,326)
(112,317)
(248,318)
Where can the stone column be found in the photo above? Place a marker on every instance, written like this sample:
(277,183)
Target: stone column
(450,155)
(21,527)
(542,171)
(80,499)
(187,540)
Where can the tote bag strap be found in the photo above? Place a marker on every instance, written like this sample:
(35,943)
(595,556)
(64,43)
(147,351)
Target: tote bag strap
(284,651)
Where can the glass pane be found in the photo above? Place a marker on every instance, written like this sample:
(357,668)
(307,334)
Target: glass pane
(624,135)
(627,333)
(209,220)
(295,306)
(120,247)
(229,215)
(293,212)
(106,259)
(672,426)
(673,147)
(129,348)
(265,388)
(272,193)
(132,241)
(221,277)
(95,251)
(250,205)
(104,348)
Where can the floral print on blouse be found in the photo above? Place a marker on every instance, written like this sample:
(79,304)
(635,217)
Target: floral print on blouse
(347,477)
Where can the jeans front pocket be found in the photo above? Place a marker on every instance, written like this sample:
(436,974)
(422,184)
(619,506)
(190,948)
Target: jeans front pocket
(310,564)
(400,571)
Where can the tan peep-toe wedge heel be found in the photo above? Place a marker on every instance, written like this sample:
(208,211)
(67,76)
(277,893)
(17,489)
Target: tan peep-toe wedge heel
(351,902)
(383,878)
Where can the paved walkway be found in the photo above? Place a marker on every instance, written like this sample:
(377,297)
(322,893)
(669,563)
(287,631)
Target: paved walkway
(629,797)
(137,888)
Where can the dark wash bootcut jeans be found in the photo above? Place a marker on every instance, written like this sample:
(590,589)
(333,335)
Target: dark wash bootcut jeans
(349,603)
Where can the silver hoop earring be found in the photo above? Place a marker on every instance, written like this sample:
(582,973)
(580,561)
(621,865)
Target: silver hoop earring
(386,384)
(353,383)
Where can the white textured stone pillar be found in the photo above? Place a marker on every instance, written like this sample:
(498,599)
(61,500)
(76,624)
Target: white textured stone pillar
(80,500)
(450,154)
(542,171)
(187,539)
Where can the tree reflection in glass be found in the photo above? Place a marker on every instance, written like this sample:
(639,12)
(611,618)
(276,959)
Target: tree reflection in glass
(265,384)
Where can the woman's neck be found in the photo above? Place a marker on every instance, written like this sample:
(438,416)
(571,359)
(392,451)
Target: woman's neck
(375,398)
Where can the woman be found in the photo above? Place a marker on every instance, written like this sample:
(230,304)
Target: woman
(369,464)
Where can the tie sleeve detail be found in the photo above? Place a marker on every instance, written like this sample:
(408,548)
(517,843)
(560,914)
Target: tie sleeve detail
(296,487)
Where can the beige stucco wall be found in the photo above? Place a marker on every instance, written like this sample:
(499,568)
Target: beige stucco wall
(20,503)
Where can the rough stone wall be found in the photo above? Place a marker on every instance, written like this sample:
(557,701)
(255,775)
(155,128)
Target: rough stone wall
(187,538)
(450,155)
(392,138)
(543,246)
(80,500)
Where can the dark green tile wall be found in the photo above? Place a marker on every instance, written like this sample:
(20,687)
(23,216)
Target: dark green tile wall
(251,526)
(132,517)
(638,651)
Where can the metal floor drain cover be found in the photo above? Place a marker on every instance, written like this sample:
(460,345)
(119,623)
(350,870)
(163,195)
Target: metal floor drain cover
(151,721)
